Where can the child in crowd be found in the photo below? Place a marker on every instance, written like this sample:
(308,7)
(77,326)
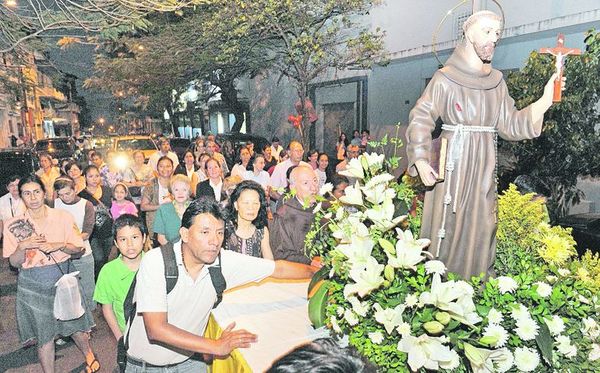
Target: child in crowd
(117,275)
(120,203)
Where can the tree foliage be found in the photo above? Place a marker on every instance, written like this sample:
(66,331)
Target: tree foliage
(568,146)
(304,39)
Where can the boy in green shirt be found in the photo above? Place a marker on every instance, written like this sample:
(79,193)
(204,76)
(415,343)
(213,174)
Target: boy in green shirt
(116,276)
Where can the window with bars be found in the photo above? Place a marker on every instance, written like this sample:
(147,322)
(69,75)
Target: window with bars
(459,19)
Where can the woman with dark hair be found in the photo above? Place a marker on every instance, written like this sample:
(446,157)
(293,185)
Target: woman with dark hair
(40,243)
(157,193)
(270,160)
(340,147)
(312,158)
(48,172)
(73,171)
(240,168)
(247,231)
(188,168)
(101,197)
(321,171)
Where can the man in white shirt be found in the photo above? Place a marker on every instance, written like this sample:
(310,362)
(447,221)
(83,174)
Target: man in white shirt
(276,148)
(279,179)
(164,150)
(11,204)
(168,328)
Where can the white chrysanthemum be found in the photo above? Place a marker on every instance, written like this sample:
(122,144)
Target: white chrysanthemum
(543,289)
(494,316)
(498,333)
(526,359)
(519,312)
(340,311)
(326,188)
(411,300)
(564,346)
(564,272)
(594,352)
(451,364)
(527,329)
(334,324)
(435,266)
(351,318)
(556,325)
(376,337)
(506,284)
(403,328)
(590,328)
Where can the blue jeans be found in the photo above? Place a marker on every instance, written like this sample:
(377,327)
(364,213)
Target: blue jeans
(188,366)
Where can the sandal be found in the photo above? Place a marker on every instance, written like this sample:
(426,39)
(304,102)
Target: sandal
(93,367)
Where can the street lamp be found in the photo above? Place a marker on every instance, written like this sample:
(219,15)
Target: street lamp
(11,3)
(101,120)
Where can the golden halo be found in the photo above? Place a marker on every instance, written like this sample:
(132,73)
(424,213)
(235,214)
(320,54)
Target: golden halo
(437,30)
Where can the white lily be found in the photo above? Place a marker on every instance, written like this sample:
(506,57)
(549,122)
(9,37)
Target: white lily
(367,278)
(409,240)
(374,161)
(360,308)
(382,215)
(489,361)
(376,190)
(326,188)
(425,351)
(390,318)
(358,251)
(349,227)
(456,299)
(354,169)
(353,195)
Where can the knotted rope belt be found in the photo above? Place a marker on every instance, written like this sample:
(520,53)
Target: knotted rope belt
(455,152)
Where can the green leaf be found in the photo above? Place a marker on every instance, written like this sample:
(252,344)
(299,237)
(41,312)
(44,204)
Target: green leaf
(545,343)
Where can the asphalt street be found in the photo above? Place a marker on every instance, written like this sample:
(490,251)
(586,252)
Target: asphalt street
(14,358)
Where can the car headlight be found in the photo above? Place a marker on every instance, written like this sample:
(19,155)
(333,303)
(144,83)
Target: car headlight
(121,162)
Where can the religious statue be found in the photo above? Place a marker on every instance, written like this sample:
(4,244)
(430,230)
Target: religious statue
(472,101)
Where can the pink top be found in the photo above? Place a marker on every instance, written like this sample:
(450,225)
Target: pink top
(59,227)
(126,207)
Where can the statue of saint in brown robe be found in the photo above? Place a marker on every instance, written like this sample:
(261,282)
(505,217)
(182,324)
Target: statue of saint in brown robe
(475,107)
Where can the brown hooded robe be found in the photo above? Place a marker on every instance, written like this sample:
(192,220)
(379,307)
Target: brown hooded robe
(458,95)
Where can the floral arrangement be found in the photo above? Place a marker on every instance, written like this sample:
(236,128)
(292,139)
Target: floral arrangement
(402,310)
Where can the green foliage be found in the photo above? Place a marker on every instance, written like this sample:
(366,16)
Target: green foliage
(567,147)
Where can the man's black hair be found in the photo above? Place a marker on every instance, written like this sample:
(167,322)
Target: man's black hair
(321,356)
(338,179)
(128,220)
(275,139)
(13,178)
(203,205)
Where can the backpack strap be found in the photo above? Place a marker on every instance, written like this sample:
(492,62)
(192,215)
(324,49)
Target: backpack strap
(171,270)
(218,281)
(129,310)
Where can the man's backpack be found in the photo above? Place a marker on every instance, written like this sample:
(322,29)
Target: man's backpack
(171,276)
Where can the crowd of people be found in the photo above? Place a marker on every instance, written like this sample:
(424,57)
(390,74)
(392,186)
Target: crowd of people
(101,218)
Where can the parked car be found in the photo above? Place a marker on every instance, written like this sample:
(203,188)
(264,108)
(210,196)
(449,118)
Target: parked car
(59,148)
(15,161)
(132,143)
(232,142)
(586,230)
(179,146)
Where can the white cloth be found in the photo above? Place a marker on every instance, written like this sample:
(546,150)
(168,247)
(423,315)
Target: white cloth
(276,152)
(163,194)
(276,311)
(238,170)
(10,207)
(262,178)
(279,177)
(189,303)
(322,176)
(153,160)
(77,210)
(217,188)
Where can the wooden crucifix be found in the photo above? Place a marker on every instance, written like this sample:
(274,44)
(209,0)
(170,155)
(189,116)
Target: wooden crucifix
(560,52)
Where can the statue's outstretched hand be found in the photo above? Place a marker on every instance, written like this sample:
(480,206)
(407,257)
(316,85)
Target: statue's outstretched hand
(426,173)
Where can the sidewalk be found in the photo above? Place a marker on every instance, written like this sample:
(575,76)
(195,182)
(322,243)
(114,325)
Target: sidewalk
(16,359)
